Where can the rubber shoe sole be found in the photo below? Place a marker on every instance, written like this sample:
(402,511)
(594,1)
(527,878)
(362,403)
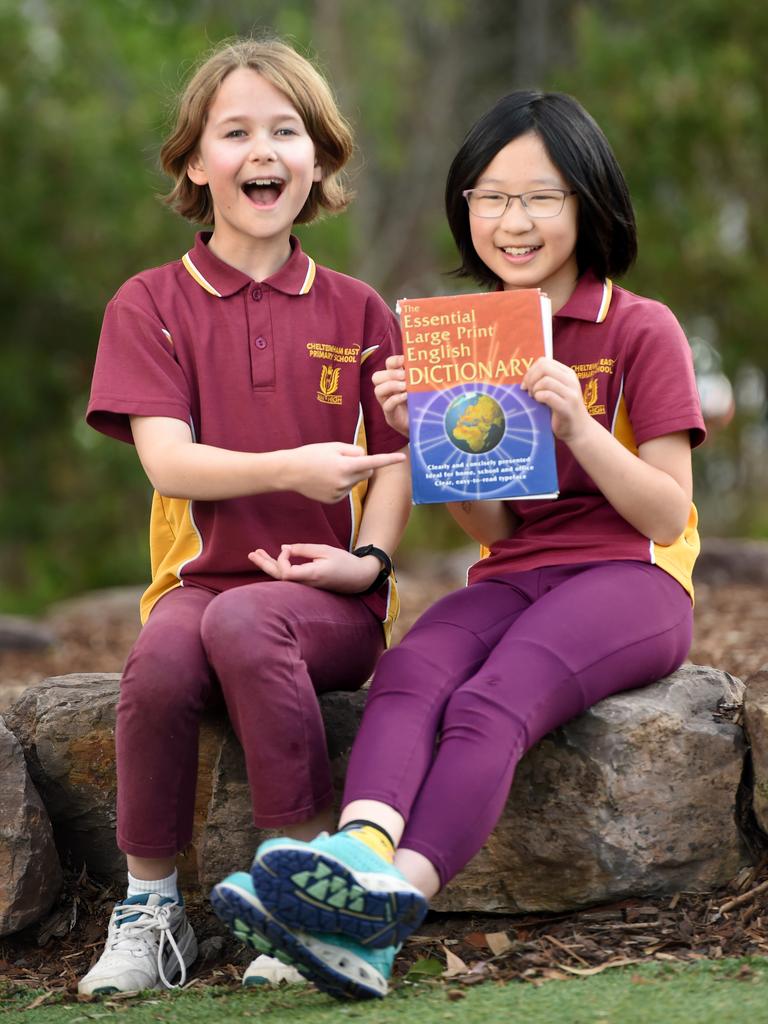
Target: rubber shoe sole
(336,971)
(314,891)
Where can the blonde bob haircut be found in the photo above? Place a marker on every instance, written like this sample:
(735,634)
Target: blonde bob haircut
(307,90)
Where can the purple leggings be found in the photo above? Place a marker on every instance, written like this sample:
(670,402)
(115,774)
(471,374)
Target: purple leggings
(488,671)
(267,649)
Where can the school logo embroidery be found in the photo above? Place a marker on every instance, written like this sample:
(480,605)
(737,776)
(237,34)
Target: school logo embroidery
(590,393)
(594,408)
(590,374)
(329,385)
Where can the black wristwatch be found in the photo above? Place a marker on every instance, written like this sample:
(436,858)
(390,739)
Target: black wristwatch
(386,566)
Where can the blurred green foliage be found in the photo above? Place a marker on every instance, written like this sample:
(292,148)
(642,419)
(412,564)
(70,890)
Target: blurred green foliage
(87,91)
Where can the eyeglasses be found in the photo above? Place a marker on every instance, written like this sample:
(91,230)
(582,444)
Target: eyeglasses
(543,202)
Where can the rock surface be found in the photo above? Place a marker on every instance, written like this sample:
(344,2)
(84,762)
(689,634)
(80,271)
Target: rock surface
(66,727)
(756,725)
(635,797)
(20,634)
(30,873)
(728,560)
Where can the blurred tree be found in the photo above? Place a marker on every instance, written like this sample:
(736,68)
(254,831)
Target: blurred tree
(85,95)
(681,92)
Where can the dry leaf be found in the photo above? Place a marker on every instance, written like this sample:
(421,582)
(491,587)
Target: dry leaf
(454,965)
(498,942)
(550,974)
(584,972)
(39,1000)
(744,973)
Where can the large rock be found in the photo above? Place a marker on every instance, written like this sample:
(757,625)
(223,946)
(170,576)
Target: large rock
(756,725)
(635,797)
(66,725)
(30,873)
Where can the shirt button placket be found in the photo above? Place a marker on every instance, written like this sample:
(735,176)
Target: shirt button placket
(262,365)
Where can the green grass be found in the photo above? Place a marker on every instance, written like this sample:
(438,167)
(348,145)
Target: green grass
(725,992)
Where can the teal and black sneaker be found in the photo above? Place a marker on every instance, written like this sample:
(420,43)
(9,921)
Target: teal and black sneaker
(337,884)
(337,965)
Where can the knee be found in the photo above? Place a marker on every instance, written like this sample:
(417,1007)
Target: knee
(480,707)
(239,627)
(164,674)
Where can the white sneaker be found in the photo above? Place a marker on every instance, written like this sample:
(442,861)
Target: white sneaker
(268,970)
(149,943)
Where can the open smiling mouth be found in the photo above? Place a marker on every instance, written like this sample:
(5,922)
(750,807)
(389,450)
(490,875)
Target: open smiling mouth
(520,250)
(263,191)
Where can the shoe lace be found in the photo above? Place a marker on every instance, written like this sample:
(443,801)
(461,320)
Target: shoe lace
(150,919)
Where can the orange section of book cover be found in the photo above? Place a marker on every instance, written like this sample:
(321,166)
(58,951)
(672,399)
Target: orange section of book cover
(488,338)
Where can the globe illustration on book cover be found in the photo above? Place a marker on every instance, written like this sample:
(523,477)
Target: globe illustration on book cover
(475,423)
(485,441)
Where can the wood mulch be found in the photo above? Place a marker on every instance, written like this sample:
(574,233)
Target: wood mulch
(731,631)
(469,949)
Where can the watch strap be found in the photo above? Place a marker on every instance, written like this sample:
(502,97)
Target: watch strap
(386,566)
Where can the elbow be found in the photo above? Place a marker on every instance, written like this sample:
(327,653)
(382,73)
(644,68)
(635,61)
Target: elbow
(160,463)
(672,529)
(161,480)
(155,476)
(664,539)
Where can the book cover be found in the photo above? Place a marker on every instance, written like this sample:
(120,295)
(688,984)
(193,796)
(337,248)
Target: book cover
(475,434)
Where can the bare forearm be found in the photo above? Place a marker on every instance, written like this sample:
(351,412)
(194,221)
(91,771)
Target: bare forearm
(650,499)
(204,473)
(484,521)
(179,468)
(387,508)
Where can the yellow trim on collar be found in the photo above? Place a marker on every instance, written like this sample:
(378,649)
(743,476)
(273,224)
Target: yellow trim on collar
(605,304)
(309,279)
(194,273)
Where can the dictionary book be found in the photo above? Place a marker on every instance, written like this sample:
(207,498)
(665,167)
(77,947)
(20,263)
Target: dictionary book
(475,434)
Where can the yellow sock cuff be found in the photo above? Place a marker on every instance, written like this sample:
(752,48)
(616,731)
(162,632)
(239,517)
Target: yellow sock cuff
(374,839)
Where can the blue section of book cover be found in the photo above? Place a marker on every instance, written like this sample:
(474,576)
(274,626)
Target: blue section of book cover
(480,441)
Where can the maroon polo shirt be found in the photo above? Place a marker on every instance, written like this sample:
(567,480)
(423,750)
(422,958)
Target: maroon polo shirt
(252,367)
(636,373)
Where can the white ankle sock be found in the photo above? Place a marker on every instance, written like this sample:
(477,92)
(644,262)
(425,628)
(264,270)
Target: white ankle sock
(163,886)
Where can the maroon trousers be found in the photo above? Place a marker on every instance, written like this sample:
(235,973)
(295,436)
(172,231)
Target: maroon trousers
(267,649)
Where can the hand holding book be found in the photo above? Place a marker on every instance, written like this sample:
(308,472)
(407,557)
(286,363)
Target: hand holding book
(389,388)
(556,385)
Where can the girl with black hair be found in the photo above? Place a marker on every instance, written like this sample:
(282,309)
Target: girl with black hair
(575,598)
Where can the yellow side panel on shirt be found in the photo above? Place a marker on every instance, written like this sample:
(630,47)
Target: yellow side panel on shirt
(173,542)
(679,557)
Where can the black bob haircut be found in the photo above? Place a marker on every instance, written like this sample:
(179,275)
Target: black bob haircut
(607,235)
